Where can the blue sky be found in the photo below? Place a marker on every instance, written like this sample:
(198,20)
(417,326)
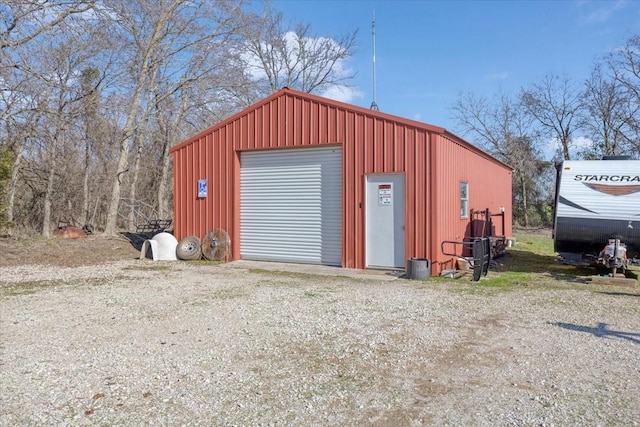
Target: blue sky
(428,52)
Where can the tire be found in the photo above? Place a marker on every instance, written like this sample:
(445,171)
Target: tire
(188,249)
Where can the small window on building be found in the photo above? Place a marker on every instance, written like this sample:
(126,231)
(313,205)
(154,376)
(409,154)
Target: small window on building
(464,200)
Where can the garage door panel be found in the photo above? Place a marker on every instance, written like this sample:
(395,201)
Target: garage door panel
(291,205)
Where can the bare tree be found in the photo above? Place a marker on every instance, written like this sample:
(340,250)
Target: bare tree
(163,39)
(504,129)
(555,103)
(624,65)
(606,115)
(61,57)
(14,142)
(23,21)
(90,99)
(26,74)
(169,121)
(275,57)
(146,24)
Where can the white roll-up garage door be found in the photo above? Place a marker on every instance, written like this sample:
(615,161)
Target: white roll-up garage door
(291,205)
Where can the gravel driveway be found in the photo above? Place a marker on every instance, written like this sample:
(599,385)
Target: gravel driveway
(143,343)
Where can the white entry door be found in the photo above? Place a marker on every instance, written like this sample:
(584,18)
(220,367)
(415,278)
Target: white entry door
(385,221)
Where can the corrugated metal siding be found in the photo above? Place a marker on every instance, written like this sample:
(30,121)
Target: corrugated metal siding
(489,188)
(291,205)
(372,142)
(378,145)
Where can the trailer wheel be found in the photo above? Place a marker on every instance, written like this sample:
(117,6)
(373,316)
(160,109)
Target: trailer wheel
(188,249)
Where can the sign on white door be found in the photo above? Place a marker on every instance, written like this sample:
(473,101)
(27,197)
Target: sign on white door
(384,195)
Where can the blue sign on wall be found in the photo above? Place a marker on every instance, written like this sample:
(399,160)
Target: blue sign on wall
(202,188)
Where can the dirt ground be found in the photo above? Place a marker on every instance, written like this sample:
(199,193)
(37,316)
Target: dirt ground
(89,335)
(66,252)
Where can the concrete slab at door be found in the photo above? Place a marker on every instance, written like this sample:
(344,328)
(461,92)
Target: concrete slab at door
(385,234)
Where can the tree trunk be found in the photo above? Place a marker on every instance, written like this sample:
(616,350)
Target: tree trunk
(565,149)
(164,210)
(53,165)
(114,204)
(132,220)
(13,185)
(123,159)
(84,218)
(525,206)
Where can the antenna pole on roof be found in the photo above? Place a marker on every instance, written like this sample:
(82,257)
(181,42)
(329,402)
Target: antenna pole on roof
(374,106)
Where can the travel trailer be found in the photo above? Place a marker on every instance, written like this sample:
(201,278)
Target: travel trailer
(597,212)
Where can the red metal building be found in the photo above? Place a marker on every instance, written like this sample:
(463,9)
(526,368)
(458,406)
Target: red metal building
(300,178)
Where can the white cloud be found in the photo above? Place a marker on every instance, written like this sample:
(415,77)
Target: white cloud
(342,93)
(498,76)
(552,147)
(252,66)
(601,12)
(581,142)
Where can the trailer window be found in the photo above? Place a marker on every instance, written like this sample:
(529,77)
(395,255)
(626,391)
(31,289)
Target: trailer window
(464,200)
